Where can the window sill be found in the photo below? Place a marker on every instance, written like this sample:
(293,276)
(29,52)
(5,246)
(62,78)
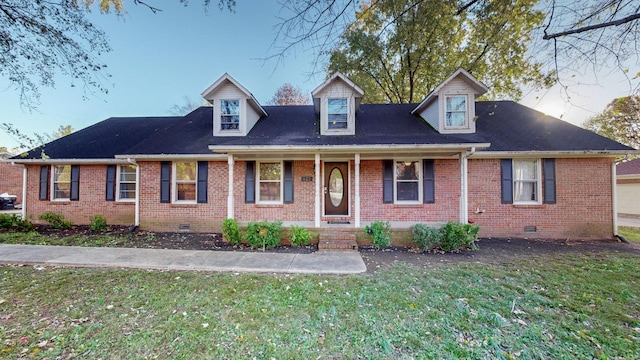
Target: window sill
(401,205)
(125,202)
(60,202)
(279,205)
(184,205)
(528,205)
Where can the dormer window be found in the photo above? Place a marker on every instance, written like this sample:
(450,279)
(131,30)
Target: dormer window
(456,112)
(229,114)
(338,113)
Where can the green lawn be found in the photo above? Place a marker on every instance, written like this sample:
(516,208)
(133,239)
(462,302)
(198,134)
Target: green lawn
(560,307)
(629,233)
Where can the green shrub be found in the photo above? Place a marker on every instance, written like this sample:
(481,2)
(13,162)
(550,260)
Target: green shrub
(456,235)
(15,222)
(380,233)
(57,221)
(300,236)
(426,237)
(98,223)
(263,234)
(231,231)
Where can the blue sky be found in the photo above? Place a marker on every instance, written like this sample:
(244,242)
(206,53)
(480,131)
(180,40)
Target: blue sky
(159,59)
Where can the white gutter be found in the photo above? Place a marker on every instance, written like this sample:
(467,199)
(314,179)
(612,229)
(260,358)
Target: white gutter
(237,149)
(555,154)
(136,221)
(69,161)
(150,157)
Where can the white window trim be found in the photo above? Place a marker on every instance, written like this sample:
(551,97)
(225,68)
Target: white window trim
(118,182)
(223,115)
(277,202)
(539,194)
(53,182)
(345,113)
(174,184)
(395,183)
(466,112)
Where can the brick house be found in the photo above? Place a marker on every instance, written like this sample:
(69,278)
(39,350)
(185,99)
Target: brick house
(10,177)
(628,188)
(513,171)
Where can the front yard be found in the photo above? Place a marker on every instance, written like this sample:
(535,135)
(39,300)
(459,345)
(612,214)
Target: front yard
(575,306)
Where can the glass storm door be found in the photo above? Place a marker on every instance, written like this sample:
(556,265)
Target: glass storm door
(336,188)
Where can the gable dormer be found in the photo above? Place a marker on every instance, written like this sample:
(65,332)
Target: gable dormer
(235,109)
(336,102)
(450,107)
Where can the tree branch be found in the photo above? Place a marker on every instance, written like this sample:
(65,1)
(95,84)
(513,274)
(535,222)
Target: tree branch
(593,27)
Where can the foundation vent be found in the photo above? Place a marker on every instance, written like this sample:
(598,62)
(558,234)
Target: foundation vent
(530,229)
(185,227)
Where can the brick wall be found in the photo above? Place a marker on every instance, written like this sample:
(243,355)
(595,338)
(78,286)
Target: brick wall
(583,206)
(11,180)
(92,199)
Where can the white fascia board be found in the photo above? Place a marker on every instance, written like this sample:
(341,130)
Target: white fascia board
(551,154)
(628,176)
(338,75)
(163,157)
(226,77)
(475,83)
(68,161)
(347,148)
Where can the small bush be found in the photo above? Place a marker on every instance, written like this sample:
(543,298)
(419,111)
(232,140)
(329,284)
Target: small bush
(14,222)
(300,236)
(57,221)
(426,237)
(380,233)
(263,234)
(456,235)
(231,231)
(98,223)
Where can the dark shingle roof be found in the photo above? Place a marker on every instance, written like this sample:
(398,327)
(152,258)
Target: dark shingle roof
(628,167)
(508,126)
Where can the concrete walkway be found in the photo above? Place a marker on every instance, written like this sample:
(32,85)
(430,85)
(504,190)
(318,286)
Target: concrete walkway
(330,262)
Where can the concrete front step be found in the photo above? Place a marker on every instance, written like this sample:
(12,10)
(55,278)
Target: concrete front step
(337,241)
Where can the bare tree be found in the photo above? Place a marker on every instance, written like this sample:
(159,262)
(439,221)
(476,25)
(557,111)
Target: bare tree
(287,94)
(187,107)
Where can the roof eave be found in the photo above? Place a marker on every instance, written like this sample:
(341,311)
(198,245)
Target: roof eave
(554,154)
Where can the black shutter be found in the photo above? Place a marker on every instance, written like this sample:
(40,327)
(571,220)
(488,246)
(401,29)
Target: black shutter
(165,181)
(288,182)
(110,190)
(250,183)
(203,174)
(507,180)
(428,181)
(75,183)
(387,182)
(549,181)
(44,182)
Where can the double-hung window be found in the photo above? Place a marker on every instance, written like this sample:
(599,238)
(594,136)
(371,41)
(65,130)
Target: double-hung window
(185,181)
(269,182)
(126,182)
(526,181)
(455,111)
(407,179)
(337,113)
(61,184)
(229,114)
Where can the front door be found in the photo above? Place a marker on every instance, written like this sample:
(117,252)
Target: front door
(336,188)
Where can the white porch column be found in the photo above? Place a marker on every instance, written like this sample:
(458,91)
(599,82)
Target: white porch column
(24,193)
(318,191)
(357,191)
(230,203)
(614,200)
(464,199)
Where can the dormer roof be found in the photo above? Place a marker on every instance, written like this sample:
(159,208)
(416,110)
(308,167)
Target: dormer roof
(218,84)
(358,93)
(474,83)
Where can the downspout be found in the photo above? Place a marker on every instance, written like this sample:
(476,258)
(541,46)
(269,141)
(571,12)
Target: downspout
(23,211)
(464,198)
(136,221)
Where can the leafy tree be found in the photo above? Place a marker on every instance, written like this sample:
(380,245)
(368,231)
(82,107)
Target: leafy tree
(62,131)
(287,94)
(398,51)
(619,121)
(574,34)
